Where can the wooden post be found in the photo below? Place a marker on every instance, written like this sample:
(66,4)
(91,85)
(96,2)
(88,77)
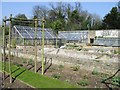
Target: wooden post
(9,52)
(43,21)
(1,57)
(24,41)
(4,48)
(56,40)
(88,33)
(36,44)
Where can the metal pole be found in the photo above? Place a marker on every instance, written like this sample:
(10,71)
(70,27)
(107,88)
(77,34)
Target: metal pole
(4,48)
(35,45)
(43,21)
(9,54)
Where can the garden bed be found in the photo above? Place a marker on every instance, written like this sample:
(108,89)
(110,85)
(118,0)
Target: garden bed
(36,80)
(71,74)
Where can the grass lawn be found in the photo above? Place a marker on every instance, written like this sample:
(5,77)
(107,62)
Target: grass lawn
(36,80)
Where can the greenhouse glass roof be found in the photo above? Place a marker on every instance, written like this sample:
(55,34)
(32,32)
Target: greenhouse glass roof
(28,32)
(74,35)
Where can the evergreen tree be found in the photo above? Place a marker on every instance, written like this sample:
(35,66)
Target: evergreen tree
(112,19)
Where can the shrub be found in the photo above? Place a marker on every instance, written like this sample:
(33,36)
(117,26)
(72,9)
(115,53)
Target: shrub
(95,71)
(30,62)
(52,68)
(15,63)
(83,82)
(11,56)
(20,41)
(79,49)
(13,43)
(67,80)
(116,80)
(85,77)
(102,51)
(22,58)
(24,61)
(70,46)
(75,68)
(29,43)
(117,51)
(57,76)
(60,66)
(19,65)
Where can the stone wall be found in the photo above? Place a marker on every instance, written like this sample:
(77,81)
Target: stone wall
(91,35)
(107,33)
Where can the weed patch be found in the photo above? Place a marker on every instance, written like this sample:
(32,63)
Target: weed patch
(83,82)
(95,72)
(57,76)
(75,68)
(60,66)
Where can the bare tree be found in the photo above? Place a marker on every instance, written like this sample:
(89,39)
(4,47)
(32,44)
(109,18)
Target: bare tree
(118,5)
(96,21)
(40,11)
(78,6)
(59,8)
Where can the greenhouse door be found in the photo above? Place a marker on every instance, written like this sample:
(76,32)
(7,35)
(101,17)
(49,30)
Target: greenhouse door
(91,40)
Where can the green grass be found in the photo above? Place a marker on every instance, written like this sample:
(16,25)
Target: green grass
(36,80)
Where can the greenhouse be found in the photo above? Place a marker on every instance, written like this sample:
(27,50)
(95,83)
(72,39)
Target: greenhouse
(25,35)
(115,42)
(75,36)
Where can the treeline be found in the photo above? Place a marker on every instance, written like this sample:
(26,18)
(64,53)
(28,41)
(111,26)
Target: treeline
(67,16)
(64,16)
